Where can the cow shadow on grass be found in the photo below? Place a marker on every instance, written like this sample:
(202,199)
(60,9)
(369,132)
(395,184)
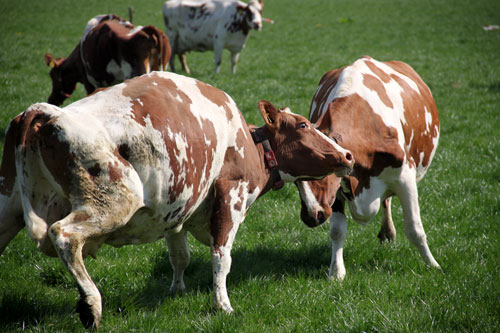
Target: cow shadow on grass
(271,263)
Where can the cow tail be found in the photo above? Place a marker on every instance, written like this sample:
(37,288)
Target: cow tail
(36,226)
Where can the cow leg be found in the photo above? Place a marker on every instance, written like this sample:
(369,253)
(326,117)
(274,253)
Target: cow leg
(218,48)
(338,231)
(234,61)
(228,212)
(11,221)
(68,239)
(184,65)
(414,230)
(387,231)
(178,251)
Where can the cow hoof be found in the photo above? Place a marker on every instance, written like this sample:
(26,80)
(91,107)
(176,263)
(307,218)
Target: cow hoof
(386,236)
(89,309)
(224,307)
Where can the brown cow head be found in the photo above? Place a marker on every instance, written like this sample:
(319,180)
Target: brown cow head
(63,84)
(301,150)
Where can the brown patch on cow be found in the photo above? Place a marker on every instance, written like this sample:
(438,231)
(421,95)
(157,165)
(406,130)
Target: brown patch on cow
(8,167)
(373,145)
(327,83)
(114,171)
(81,216)
(378,72)
(373,83)
(215,96)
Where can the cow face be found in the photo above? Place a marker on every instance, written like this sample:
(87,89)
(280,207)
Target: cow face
(317,198)
(62,85)
(253,15)
(301,150)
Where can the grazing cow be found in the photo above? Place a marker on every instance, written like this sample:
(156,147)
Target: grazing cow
(386,116)
(210,25)
(110,51)
(154,157)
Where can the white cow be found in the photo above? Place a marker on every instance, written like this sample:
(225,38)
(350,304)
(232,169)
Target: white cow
(210,25)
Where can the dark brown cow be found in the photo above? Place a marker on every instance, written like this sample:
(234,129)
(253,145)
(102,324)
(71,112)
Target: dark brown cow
(154,157)
(386,116)
(110,51)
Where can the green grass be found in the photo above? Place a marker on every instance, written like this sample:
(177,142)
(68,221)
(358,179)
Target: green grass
(278,280)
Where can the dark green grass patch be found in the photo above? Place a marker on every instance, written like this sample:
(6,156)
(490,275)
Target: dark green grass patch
(279,277)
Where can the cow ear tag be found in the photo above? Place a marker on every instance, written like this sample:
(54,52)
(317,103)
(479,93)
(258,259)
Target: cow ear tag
(269,118)
(52,64)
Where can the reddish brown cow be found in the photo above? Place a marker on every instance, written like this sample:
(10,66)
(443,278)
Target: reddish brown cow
(386,116)
(110,51)
(151,158)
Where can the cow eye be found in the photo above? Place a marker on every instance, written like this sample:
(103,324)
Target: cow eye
(303,125)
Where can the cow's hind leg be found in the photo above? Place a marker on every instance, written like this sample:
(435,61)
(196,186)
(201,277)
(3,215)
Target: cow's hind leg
(387,231)
(184,64)
(68,239)
(234,61)
(414,230)
(11,221)
(178,251)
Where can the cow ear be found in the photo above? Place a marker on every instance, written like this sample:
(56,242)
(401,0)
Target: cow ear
(270,114)
(50,61)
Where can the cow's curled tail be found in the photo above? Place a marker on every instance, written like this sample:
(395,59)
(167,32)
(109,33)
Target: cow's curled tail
(29,124)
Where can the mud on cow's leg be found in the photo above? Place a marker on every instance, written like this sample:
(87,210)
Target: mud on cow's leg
(227,214)
(387,230)
(178,251)
(338,231)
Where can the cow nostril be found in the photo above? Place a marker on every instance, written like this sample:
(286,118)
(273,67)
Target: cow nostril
(320,217)
(348,157)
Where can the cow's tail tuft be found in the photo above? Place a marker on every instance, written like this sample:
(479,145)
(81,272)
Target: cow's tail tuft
(30,121)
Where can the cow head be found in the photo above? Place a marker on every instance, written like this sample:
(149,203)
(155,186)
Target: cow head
(253,15)
(62,85)
(302,152)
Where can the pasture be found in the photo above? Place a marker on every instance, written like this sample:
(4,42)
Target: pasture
(278,280)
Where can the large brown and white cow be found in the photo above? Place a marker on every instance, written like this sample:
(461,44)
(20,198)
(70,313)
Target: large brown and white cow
(154,157)
(385,115)
(210,25)
(110,51)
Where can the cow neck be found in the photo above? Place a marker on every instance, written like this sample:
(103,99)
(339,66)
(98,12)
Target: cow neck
(259,137)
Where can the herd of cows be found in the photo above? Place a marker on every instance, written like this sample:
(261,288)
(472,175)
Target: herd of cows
(161,154)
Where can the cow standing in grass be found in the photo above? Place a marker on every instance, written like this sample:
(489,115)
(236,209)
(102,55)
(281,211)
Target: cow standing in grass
(210,25)
(385,115)
(110,51)
(151,158)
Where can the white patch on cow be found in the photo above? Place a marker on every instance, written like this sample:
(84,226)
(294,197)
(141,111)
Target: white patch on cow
(308,197)
(133,31)
(428,120)
(120,71)
(140,102)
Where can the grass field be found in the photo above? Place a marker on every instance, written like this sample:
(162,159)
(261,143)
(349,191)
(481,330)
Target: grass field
(278,281)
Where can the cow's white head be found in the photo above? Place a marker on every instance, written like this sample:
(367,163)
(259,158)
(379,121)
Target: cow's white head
(254,14)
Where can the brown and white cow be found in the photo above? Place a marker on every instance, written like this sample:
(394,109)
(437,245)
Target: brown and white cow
(154,157)
(110,51)
(385,115)
(210,25)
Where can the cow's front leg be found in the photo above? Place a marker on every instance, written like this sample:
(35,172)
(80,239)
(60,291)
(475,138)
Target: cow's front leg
(228,212)
(387,230)
(178,251)
(338,231)
(234,61)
